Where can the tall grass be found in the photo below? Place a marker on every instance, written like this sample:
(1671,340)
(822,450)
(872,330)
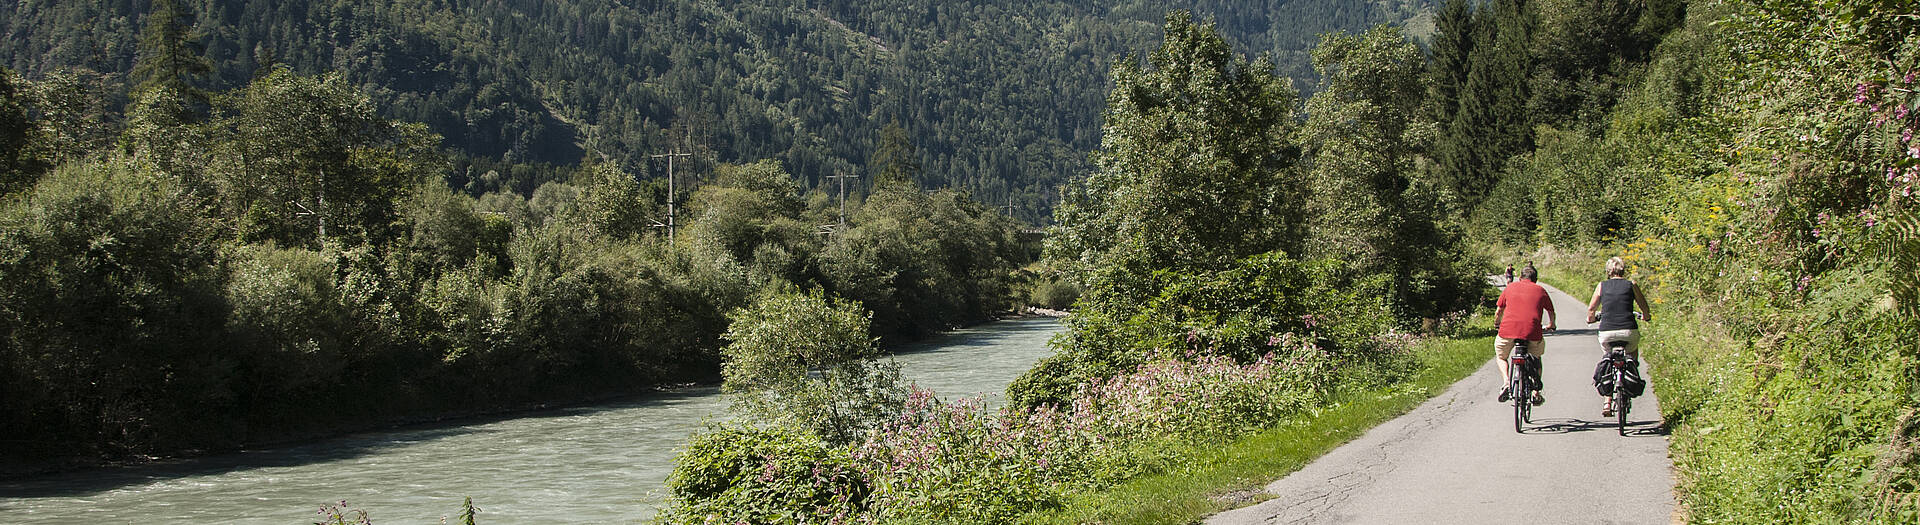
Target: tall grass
(1215,476)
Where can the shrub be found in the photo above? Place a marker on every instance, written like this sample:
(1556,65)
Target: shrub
(745,474)
(286,311)
(805,359)
(108,303)
(1236,312)
(1054,294)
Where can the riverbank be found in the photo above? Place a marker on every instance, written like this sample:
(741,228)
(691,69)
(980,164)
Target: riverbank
(17,469)
(564,464)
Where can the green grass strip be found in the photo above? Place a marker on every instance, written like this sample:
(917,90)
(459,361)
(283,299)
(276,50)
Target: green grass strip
(1220,478)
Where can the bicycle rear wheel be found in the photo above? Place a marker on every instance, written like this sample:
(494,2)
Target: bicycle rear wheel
(1620,399)
(1522,398)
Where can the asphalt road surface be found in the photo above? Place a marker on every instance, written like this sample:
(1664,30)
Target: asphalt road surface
(1457,459)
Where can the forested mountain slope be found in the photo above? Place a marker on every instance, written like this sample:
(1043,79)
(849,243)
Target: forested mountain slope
(1000,98)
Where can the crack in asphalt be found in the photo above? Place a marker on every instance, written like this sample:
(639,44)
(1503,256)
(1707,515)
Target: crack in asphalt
(1314,503)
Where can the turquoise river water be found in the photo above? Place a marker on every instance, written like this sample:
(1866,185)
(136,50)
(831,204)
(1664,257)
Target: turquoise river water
(596,464)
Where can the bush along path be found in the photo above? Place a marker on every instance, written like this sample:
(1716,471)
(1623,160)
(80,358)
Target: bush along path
(1457,459)
(964,461)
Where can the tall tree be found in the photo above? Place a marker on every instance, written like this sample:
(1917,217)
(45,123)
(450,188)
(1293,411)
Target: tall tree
(1511,66)
(15,126)
(171,54)
(895,161)
(1369,211)
(1195,171)
(309,158)
(1493,116)
(1452,46)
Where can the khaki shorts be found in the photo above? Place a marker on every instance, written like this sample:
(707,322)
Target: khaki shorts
(1503,347)
(1632,337)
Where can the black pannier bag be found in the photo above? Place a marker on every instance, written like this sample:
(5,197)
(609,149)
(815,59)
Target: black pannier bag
(1603,378)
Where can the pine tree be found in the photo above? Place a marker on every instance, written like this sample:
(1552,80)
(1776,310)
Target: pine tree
(171,56)
(1512,60)
(15,128)
(1453,41)
(1492,120)
(1452,46)
(895,161)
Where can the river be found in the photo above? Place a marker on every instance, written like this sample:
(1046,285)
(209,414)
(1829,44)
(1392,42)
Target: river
(598,464)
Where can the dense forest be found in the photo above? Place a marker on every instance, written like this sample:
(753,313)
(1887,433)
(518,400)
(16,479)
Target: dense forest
(278,260)
(999,99)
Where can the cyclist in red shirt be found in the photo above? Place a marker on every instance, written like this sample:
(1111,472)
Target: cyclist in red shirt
(1519,312)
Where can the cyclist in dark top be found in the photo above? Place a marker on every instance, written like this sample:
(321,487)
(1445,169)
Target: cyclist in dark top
(1509,274)
(1613,307)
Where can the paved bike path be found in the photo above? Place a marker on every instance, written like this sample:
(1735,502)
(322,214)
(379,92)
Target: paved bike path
(1456,458)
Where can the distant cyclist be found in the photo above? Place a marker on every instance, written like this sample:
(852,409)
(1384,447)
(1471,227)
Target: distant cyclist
(1519,311)
(1509,273)
(1612,305)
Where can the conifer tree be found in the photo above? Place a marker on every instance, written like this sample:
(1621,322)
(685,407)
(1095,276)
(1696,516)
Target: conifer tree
(895,161)
(1512,62)
(170,54)
(1493,118)
(1446,78)
(15,125)
(1452,45)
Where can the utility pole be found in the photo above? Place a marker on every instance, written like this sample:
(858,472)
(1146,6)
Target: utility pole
(838,226)
(843,176)
(670,188)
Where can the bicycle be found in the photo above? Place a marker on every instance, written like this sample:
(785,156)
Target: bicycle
(1525,374)
(1622,366)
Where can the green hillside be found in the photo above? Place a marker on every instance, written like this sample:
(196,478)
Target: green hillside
(1002,99)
